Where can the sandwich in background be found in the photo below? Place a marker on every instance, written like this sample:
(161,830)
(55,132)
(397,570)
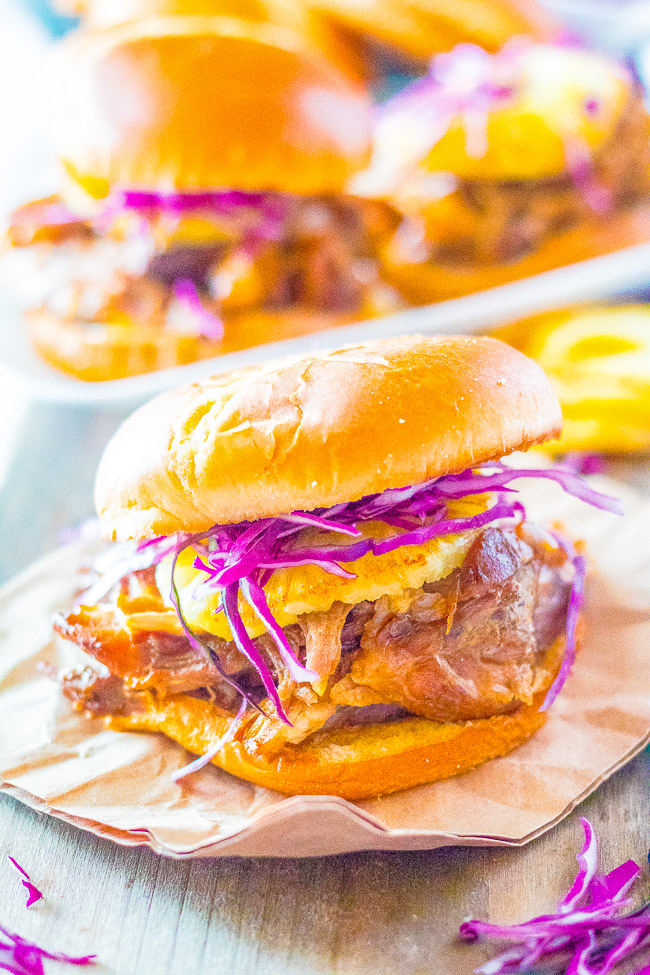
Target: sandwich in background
(322,576)
(507,165)
(413,31)
(598,359)
(204,206)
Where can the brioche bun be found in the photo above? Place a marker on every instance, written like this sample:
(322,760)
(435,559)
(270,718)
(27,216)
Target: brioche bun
(98,352)
(354,763)
(418,29)
(94,352)
(313,29)
(205,103)
(426,282)
(109,13)
(310,432)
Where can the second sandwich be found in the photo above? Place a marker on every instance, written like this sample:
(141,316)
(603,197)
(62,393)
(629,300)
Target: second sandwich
(204,207)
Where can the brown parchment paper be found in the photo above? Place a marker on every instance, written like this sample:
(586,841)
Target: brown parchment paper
(119,785)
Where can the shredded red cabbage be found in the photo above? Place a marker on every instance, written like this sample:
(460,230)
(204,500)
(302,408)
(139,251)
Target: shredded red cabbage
(468,83)
(584,463)
(266,213)
(215,748)
(587,935)
(240,559)
(465,83)
(88,530)
(224,201)
(33,893)
(22,957)
(581,169)
(208,324)
(576,600)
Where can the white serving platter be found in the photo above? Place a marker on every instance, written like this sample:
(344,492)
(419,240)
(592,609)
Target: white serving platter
(599,278)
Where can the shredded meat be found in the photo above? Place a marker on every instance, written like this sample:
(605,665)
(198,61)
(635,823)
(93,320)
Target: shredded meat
(484,663)
(324,260)
(138,638)
(97,695)
(322,633)
(469,646)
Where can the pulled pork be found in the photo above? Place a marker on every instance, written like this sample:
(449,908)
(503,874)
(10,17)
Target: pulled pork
(318,255)
(469,646)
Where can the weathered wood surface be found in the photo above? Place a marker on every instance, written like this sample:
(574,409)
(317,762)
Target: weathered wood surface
(363,914)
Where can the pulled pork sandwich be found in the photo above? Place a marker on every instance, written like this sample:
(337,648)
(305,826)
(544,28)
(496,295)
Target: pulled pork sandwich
(332,585)
(206,165)
(507,165)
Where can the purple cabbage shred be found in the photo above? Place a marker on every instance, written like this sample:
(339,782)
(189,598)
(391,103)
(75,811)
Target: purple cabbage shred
(238,560)
(215,748)
(594,928)
(21,957)
(33,893)
(262,215)
(207,323)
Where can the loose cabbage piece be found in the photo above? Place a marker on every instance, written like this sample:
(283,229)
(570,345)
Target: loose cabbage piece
(22,957)
(33,893)
(589,934)
(240,559)
(215,748)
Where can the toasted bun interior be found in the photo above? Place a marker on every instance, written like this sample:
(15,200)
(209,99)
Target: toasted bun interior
(310,432)
(205,103)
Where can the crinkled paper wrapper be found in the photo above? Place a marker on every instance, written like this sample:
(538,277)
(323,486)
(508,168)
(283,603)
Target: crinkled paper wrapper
(119,785)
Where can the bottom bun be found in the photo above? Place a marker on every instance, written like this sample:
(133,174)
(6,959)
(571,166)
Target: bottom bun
(96,352)
(426,282)
(354,763)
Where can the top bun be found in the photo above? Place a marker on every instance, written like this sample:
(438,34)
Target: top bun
(550,106)
(418,29)
(108,13)
(314,30)
(311,432)
(184,104)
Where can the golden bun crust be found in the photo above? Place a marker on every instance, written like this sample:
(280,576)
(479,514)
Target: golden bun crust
(310,432)
(205,103)
(425,283)
(418,29)
(99,352)
(354,763)
(313,29)
(109,13)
